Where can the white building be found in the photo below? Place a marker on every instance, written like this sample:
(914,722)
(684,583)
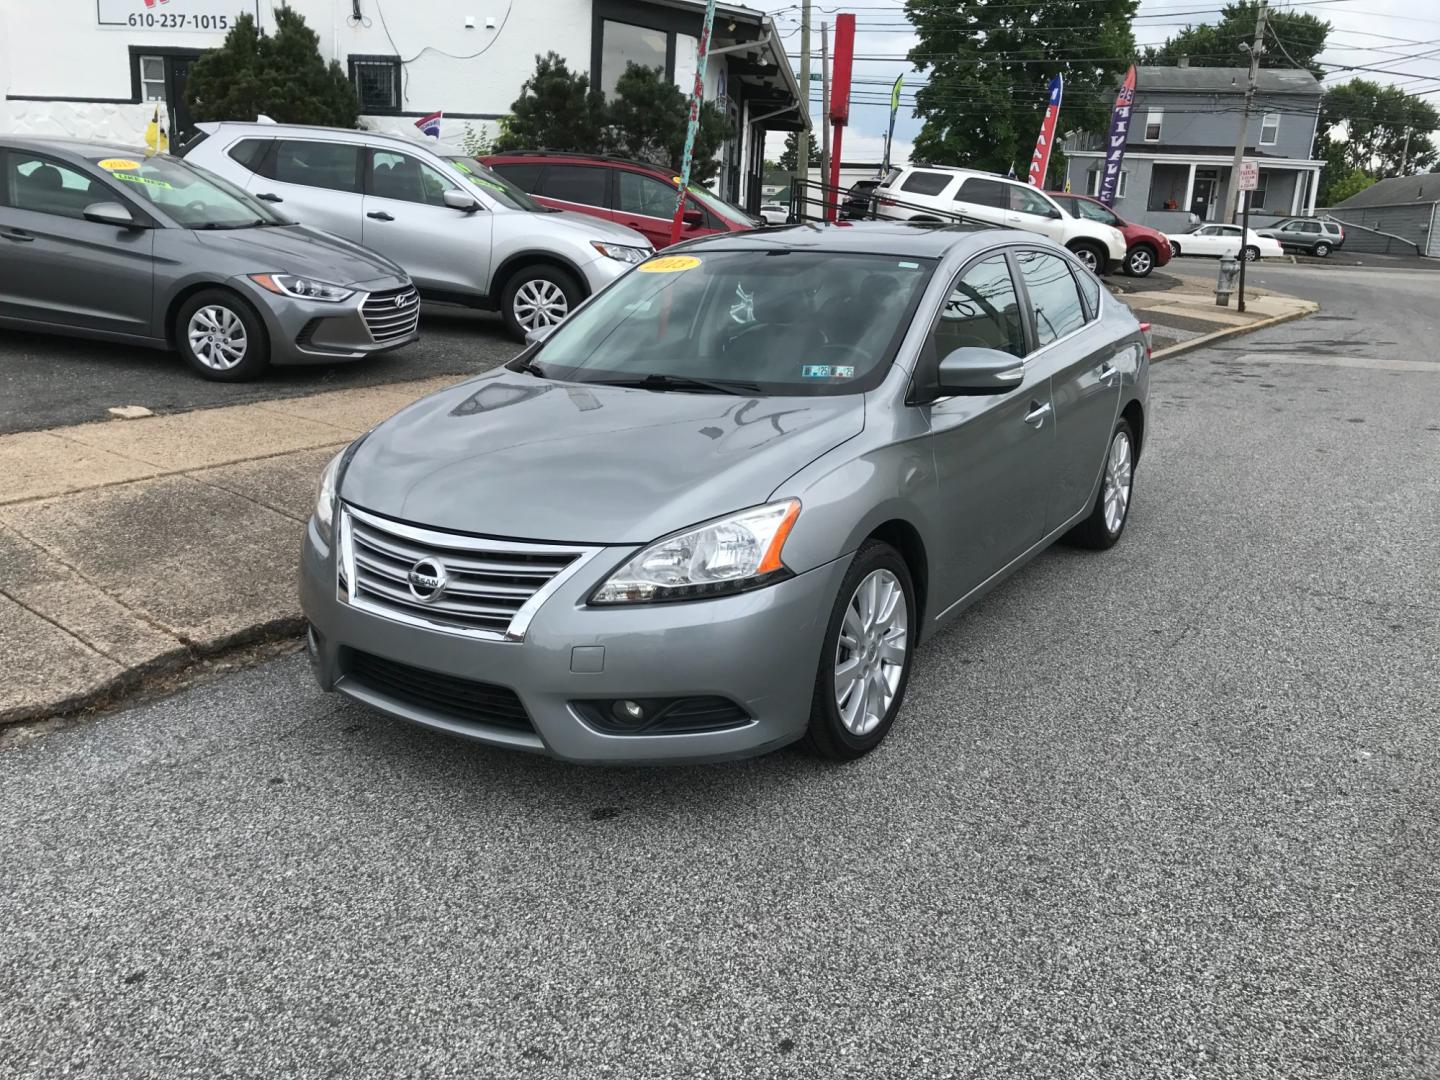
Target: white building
(96,68)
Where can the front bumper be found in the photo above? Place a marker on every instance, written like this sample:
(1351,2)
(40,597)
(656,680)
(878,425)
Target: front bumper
(759,649)
(311,332)
(602,271)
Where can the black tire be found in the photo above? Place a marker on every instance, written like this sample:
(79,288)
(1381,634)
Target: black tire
(1322,249)
(222,305)
(1174,249)
(1251,253)
(827,735)
(1091,256)
(1095,532)
(547,279)
(1140,260)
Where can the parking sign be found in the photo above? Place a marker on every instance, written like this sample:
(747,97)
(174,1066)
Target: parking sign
(1249,175)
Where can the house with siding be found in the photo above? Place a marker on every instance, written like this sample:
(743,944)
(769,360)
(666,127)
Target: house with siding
(1181,145)
(1403,206)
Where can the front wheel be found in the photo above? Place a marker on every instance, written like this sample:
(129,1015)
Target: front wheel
(1139,261)
(537,298)
(1252,253)
(221,337)
(1174,249)
(1090,257)
(1112,503)
(866,655)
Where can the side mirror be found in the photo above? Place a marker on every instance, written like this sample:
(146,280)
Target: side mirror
(111,213)
(972,370)
(693,219)
(458,200)
(534,337)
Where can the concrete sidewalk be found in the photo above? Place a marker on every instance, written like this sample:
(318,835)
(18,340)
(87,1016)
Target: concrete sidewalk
(1186,317)
(131,547)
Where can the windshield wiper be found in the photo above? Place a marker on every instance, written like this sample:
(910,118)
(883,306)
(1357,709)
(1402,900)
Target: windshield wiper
(660,381)
(252,224)
(530,367)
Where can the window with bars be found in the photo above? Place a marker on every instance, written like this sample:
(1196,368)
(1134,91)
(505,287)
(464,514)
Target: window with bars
(377,83)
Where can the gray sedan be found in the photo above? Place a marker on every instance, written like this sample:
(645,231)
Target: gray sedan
(716,510)
(101,241)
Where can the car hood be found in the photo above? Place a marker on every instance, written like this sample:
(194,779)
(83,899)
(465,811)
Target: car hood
(589,228)
(300,249)
(513,455)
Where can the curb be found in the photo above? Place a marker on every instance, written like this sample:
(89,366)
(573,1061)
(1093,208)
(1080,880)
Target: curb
(1232,331)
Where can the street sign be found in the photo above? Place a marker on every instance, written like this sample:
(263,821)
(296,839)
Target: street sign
(1249,176)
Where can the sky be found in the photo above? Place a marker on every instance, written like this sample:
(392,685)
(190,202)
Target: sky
(1400,36)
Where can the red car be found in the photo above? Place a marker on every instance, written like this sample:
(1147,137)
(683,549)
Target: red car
(629,193)
(1145,248)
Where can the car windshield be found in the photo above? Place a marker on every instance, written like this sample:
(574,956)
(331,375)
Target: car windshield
(493,184)
(1084,208)
(721,208)
(769,321)
(190,196)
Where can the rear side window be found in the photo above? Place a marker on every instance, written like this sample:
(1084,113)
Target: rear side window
(1054,298)
(926,183)
(249,152)
(574,183)
(1090,286)
(47,187)
(984,193)
(335,166)
(524,175)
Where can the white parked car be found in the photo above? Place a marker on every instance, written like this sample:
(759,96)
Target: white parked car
(775,213)
(1218,240)
(940,193)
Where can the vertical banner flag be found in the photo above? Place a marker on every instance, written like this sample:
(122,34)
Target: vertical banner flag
(430,125)
(702,53)
(1119,133)
(894,108)
(1040,160)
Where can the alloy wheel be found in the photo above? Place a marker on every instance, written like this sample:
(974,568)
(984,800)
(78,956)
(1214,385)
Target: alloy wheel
(1321,250)
(1119,474)
(1251,254)
(870,654)
(1140,262)
(217,337)
(539,303)
(1088,259)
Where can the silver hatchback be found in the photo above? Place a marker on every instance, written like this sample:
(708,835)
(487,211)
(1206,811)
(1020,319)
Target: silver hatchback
(717,509)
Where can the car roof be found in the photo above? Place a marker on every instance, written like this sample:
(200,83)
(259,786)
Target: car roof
(271,131)
(65,144)
(566,155)
(928,241)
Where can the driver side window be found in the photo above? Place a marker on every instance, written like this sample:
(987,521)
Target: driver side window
(982,310)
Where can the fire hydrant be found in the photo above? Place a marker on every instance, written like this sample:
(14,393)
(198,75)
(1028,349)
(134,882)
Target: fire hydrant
(1225,284)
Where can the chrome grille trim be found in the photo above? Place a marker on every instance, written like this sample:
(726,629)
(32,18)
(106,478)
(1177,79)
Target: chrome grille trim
(384,320)
(496,585)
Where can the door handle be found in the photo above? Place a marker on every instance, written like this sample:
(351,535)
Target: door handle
(18,237)
(269,196)
(379,215)
(1107,371)
(1036,416)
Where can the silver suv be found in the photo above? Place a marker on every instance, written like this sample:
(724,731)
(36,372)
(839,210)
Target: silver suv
(463,233)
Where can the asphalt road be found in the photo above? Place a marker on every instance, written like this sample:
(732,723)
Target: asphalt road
(1168,811)
(40,373)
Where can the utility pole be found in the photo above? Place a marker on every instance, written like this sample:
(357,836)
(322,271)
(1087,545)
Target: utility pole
(1232,195)
(1405,154)
(802,138)
(824,119)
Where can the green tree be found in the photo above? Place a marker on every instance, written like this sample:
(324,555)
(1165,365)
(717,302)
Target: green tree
(988,68)
(647,121)
(556,110)
(282,76)
(789,158)
(1352,183)
(1386,132)
(1294,40)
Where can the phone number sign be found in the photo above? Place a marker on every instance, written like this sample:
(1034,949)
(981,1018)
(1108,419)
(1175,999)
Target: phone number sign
(204,16)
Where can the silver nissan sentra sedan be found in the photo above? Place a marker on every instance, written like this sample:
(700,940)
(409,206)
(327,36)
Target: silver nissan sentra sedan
(717,509)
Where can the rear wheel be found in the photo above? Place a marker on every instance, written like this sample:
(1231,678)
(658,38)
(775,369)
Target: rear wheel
(538,297)
(1090,256)
(866,656)
(1322,249)
(1252,253)
(1140,260)
(1112,503)
(221,337)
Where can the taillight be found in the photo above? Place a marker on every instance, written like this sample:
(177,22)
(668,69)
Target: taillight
(1149,340)
(886,202)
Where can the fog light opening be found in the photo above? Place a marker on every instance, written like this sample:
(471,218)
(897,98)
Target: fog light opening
(629,713)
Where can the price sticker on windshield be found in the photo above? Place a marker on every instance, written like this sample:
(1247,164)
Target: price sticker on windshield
(669,264)
(117,164)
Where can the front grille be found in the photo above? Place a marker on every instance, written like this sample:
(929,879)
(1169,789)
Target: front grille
(492,586)
(460,699)
(392,315)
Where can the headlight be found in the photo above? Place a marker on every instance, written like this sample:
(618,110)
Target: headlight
(623,253)
(325,498)
(302,288)
(727,555)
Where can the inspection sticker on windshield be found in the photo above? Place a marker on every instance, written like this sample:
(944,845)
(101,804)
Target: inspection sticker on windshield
(826,371)
(115,164)
(669,264)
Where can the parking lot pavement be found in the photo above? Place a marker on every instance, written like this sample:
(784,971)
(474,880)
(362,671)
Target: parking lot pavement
(1167,811)
(48,381)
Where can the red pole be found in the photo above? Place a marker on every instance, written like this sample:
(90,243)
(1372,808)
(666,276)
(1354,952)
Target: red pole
(839,107)
(833,196)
